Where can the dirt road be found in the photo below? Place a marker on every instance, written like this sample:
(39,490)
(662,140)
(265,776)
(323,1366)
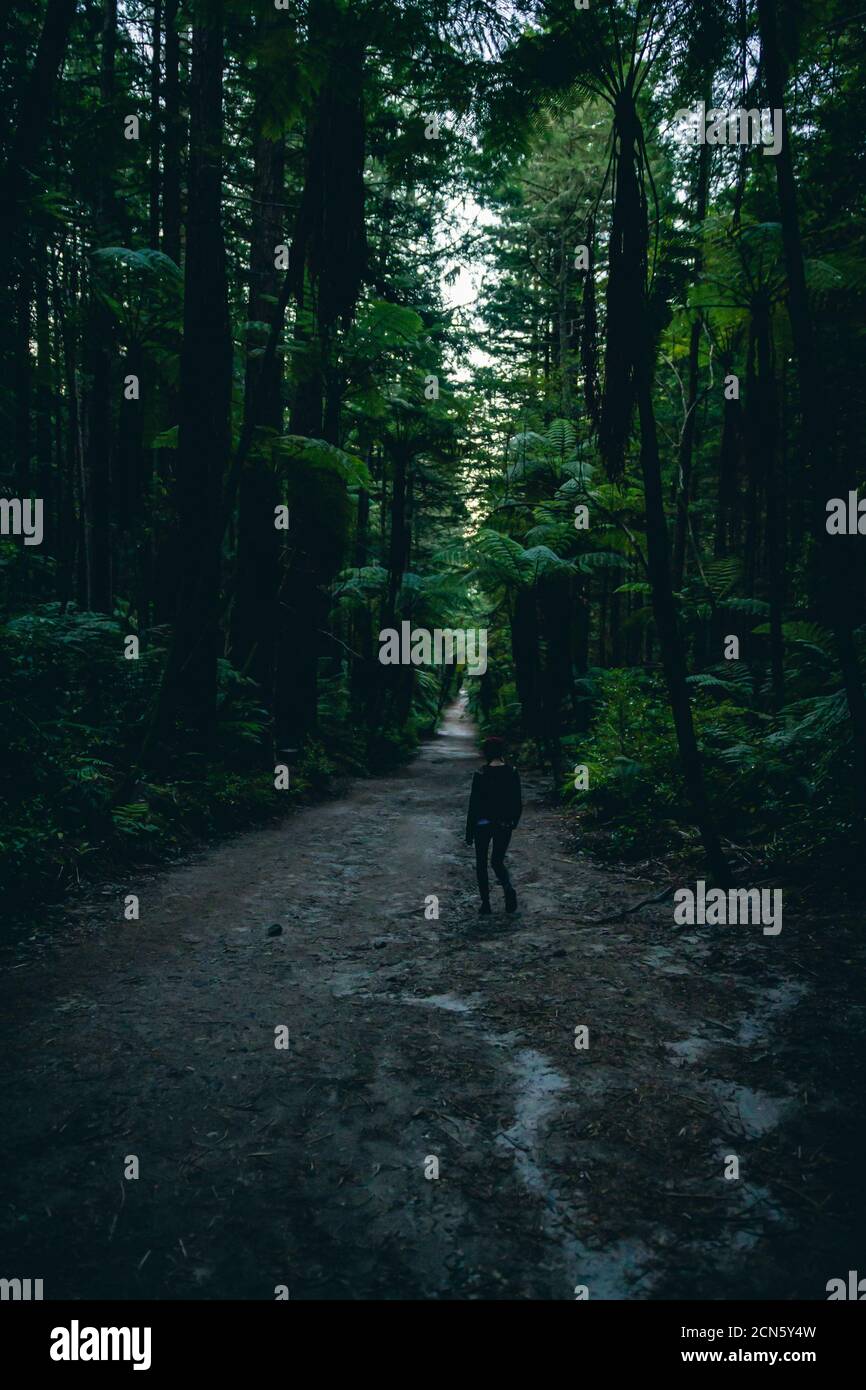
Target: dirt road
(412,1040)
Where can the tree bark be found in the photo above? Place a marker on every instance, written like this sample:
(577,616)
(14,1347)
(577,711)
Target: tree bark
(670,641)
(188,693)
(327,261)
(32,116)
(832,571)
(687,440)
(527,663)
(100,352)
(767,432)
(255,612)
(171,201)
(727,497)
(155,122)
(634,381)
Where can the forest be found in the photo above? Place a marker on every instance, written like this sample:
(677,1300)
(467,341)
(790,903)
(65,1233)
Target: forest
(263,426)
(379,376)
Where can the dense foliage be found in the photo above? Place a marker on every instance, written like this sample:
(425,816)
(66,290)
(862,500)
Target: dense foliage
(423,280)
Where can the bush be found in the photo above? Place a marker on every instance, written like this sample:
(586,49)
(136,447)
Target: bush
(71,799)
(771,779)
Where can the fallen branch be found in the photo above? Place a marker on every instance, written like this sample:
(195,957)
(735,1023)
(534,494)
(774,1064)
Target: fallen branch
(615,916)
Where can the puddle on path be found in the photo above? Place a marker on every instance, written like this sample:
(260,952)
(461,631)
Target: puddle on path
(449,1002)
(749,1027)
(756,1111)
(619,1272)
(772,1003)
(537,1087)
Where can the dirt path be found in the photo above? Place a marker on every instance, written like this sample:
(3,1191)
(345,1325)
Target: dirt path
(409,1039)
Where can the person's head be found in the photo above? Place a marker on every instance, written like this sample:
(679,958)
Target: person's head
(493,748)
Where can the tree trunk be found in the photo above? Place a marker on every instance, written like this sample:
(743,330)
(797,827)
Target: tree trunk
(33,113)
(171,211)
(525,654)
(255,612)
(727,498)
(32,116)
(767,452)
(565,324)
(687,439)
(670,641)
(632,362)
(188,693)
(327,262)
(100,352)
(46,479)
(155,121)
(831,578)
(23,367)
(798,303)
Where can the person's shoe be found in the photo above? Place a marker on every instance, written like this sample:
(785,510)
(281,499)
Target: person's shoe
(510,900)
(484,909)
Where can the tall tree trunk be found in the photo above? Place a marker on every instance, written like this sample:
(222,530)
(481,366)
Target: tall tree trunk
(630,356)
(171,209)
(34,110)
(33,115)
(155,122)
(836,609)
(45,478)
(565,325)
(23,373)
(131,490)
(398,554)
(687,439)
(255,613)
(64,444)
(527,661)
(798,302)
(768,453)
(66,294)
(755,463)
(100,344)
(555,598)
(727,497)
(327,262)
(158,579)
(363,674)
(188,693)
(670,641)
(581,653)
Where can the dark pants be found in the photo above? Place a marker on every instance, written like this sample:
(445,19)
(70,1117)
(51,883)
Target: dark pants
(500,836)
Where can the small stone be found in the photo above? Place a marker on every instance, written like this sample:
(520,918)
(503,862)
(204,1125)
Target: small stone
(275,930)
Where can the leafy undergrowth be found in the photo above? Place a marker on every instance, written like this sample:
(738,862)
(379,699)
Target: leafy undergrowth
(74,803)
(781,785)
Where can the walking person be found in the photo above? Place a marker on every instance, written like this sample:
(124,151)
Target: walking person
(495,808)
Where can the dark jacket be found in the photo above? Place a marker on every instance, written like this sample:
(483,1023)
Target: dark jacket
(495,797)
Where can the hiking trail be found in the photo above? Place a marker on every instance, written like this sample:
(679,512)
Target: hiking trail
(409,1038)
